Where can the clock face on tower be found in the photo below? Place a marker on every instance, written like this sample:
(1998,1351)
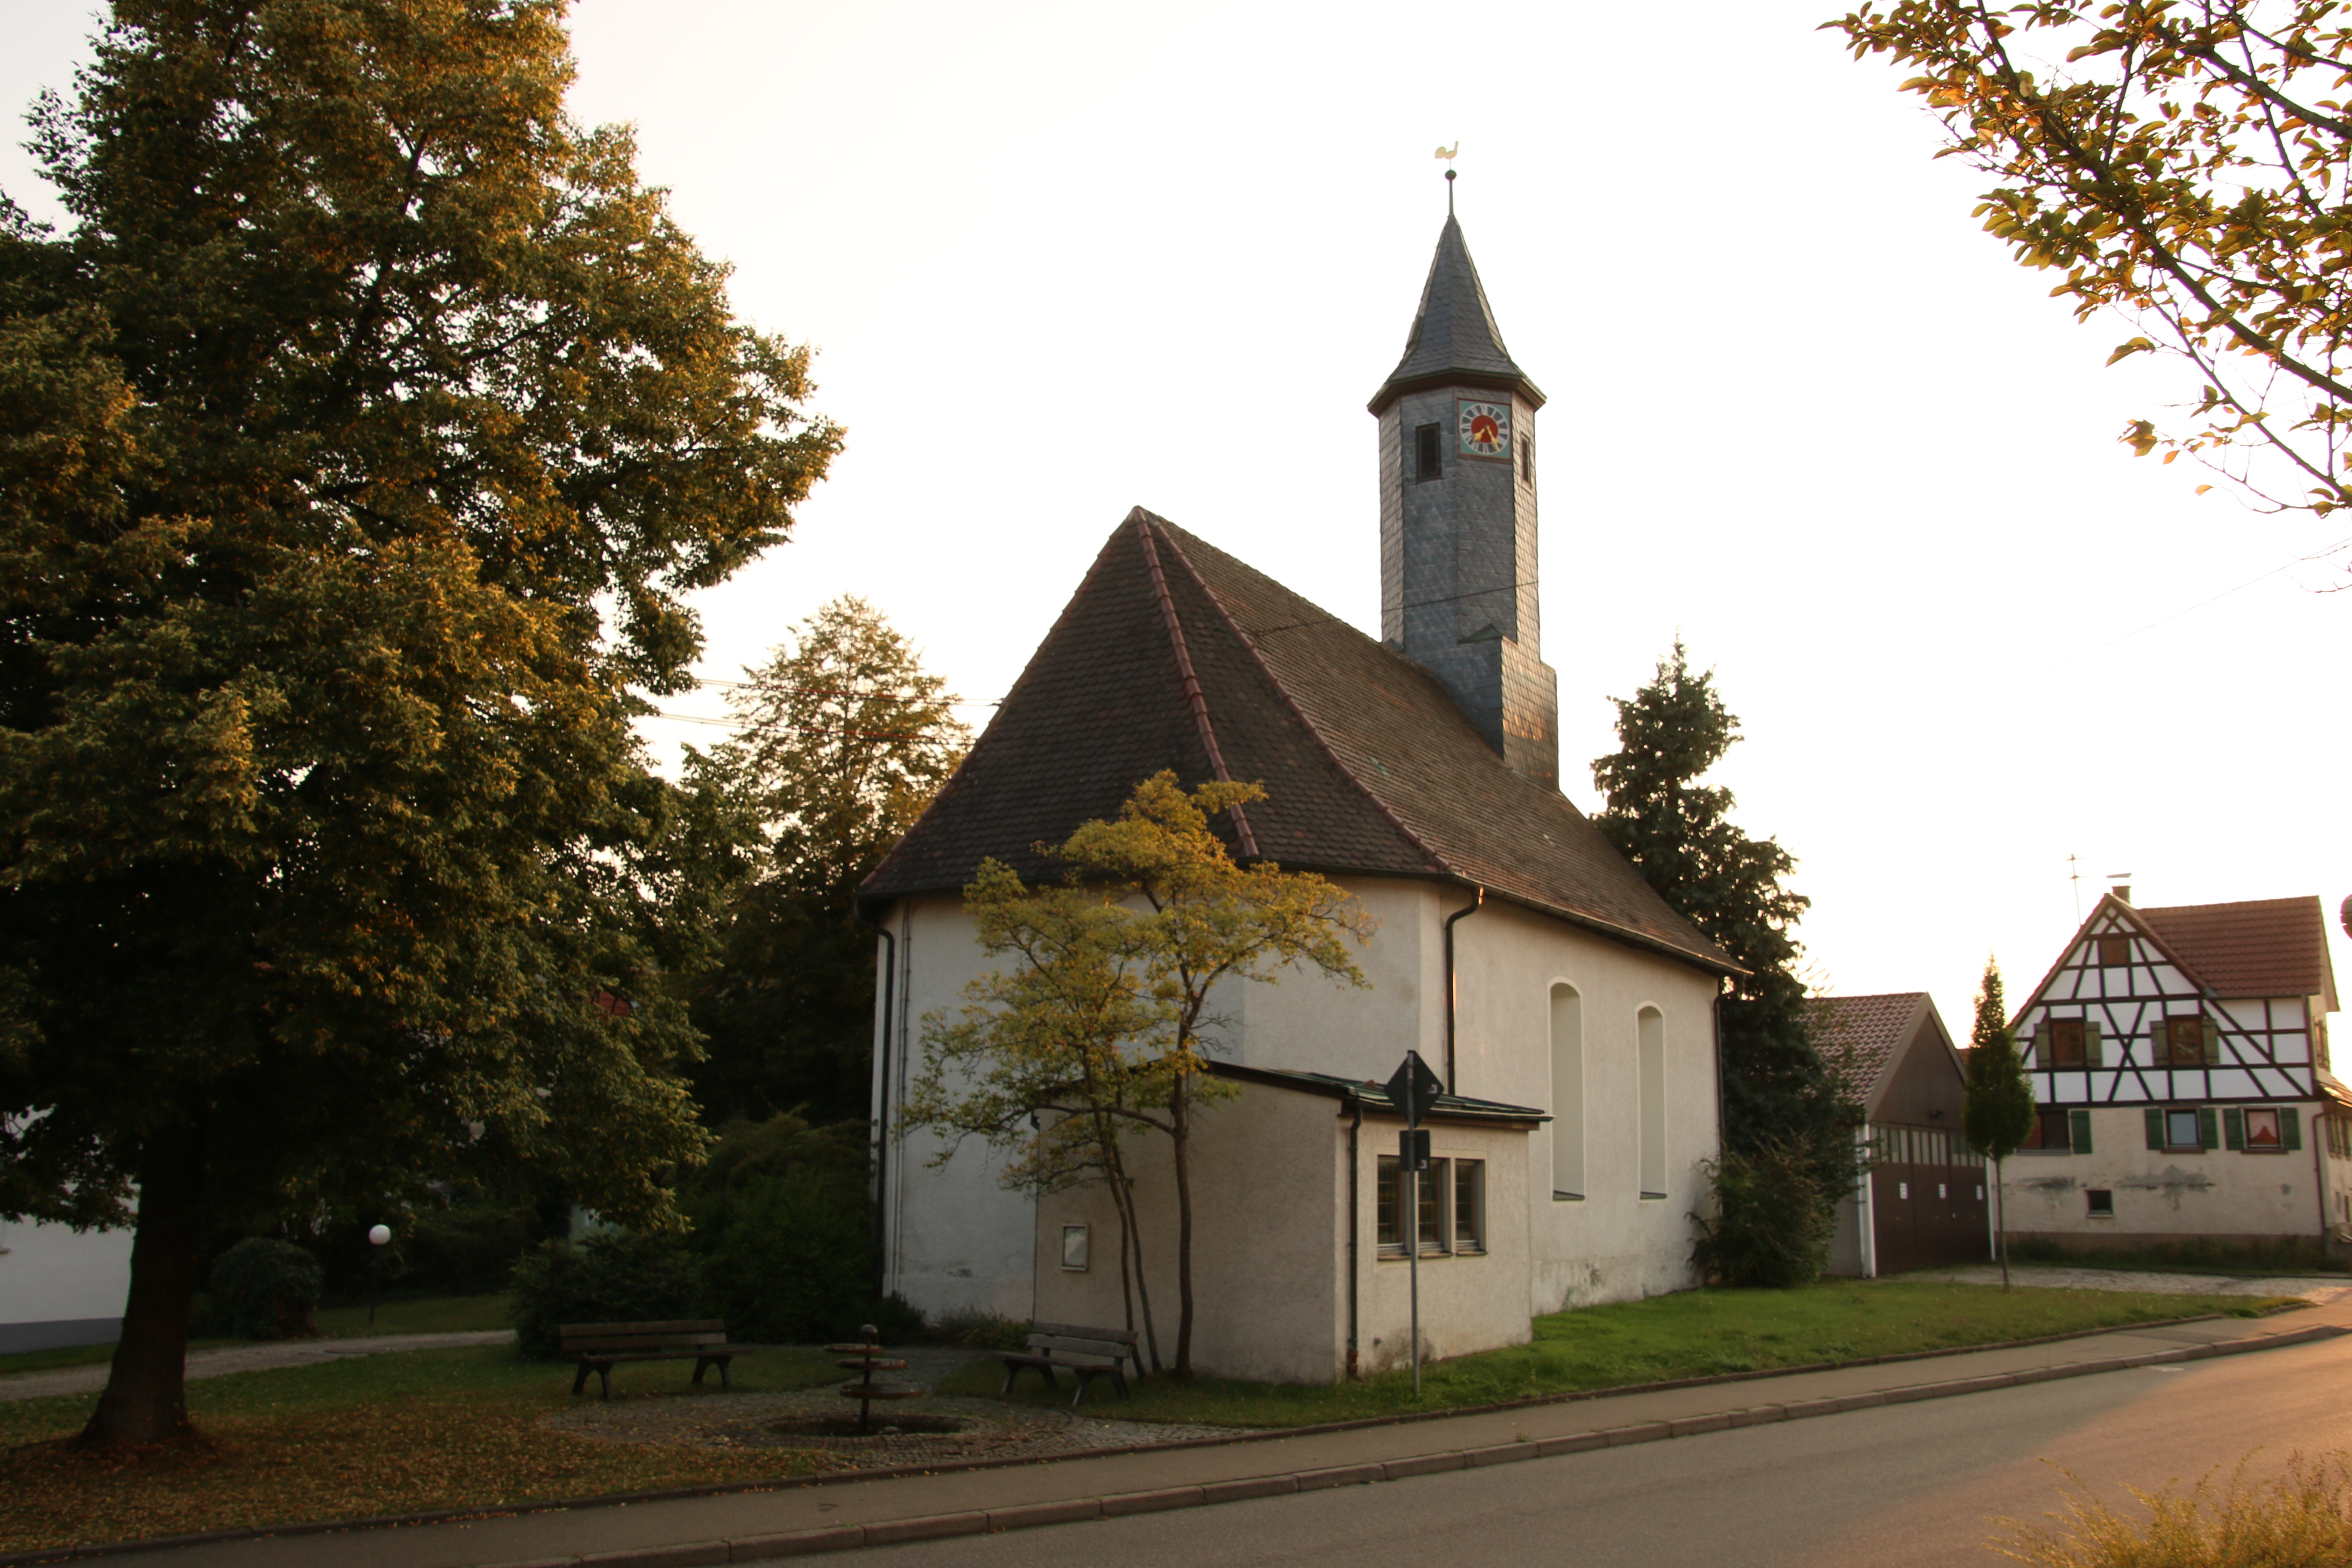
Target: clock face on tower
(1484,428)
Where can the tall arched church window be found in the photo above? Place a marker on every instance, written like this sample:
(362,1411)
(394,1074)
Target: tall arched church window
(1650,1046)
(1567,1093)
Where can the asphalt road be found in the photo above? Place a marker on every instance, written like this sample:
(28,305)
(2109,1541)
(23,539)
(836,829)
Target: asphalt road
(1900,1486)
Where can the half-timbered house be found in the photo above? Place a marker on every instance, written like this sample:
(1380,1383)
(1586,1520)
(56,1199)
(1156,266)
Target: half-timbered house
(1924,1203)
(2181,1070)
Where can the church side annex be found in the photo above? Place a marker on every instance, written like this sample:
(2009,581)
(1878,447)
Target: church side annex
(1420,772)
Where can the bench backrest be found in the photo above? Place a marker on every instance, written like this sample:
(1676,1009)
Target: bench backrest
(1084,1342)
(685,1333)
(1080,1331)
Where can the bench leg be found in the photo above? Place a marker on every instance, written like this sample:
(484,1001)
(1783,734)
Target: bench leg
(1014,1370)
(726,1382)
(604,1377)
(580,1380)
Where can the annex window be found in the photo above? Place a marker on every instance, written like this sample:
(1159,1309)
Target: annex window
(1426,460)
(2115,952)
(2102,1202)
(2065,1037)
(1650,1043)
(1453,1205)
(1469,1205)
(1567,1093)
(2262,1129)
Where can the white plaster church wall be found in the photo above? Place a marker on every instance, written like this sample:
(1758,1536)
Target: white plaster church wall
(961,1241)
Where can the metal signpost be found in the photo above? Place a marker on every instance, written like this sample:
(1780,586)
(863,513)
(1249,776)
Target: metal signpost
(1411,1090)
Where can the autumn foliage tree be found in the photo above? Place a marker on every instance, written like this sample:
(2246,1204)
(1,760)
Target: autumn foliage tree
(2185,166)
(1103,1021)
(360,440)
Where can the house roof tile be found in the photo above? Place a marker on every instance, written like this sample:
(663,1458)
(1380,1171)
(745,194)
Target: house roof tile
(1370,767)
(2264,947)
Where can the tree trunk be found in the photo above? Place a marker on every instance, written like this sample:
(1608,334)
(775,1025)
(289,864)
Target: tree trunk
(146,1391)
(1180,1125)
(2000,1224)
(1122,1196)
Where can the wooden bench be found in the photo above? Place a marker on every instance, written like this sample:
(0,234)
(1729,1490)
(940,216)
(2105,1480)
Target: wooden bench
(600,1347)
(1085,1353)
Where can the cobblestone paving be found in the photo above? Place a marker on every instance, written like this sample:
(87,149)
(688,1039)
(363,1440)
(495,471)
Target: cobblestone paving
(2055,1278)
(995,1431)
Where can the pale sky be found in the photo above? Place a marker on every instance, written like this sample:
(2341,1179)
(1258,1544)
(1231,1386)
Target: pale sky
(1059,260)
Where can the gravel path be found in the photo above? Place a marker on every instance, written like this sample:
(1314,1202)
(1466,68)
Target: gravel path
(245,1357)
(2048,1276)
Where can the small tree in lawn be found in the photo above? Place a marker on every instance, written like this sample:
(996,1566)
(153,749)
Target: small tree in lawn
(1176,917)
(1045,1037)
(1997,1112)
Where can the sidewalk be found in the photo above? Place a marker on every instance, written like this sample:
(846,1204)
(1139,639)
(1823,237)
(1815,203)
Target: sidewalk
(790,1520)
(245,1357)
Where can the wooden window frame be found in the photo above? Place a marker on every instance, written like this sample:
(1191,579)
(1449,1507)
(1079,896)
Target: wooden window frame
(2061,1032)
(1469,1189)
(2115,952)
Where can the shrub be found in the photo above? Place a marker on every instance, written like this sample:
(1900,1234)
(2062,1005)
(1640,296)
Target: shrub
(262,1289)
(780,1213)
(2304,1517)
(979,1329)
(1771,1222)
(788,1261)
(611,1279)
(464,1249)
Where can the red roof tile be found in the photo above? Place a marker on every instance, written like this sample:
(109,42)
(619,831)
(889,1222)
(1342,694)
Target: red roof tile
(1369,766)
(2264,947)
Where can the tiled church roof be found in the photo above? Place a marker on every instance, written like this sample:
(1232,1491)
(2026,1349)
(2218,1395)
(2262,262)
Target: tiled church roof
(2264,947)
(1454,338)
(1369,766)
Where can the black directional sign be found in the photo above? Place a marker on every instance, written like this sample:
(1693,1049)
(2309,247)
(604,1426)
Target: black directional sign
(1412,1087)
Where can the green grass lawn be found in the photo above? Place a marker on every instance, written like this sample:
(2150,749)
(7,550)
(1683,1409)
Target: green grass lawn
(368,1435)
(1696,1333)
(424,1315)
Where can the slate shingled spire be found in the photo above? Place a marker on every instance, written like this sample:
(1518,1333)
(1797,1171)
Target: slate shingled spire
(1458,517)
(1454,338)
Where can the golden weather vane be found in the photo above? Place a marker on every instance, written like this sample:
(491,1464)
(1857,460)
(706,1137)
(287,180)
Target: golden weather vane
(1447,153)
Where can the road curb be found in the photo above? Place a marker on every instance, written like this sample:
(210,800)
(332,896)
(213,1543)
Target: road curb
(843,1538)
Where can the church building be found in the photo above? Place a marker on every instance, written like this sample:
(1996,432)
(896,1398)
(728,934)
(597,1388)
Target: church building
(1569,1011)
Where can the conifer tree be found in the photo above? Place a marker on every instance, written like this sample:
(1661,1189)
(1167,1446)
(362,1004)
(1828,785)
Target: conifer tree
(1997,1114)
(360,442)
(845,737)
(1677,832)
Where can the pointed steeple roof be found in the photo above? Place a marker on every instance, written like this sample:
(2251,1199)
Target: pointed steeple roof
(1455,340)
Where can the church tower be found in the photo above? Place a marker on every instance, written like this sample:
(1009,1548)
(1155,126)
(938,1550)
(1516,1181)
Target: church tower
(1458,515)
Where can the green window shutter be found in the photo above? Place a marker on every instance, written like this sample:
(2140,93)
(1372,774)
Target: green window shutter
(2078,1127)
(2233,1128)
(2159,1044)
(2208,1133)
(2290,1128)
(2025,1051)
(2093,1044)
(2212,1043)
(2154,1127)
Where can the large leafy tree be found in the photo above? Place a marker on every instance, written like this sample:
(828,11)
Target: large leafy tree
(844,738)
(1997,1106)
(359,441)
(1104,1019)
(2186,166)
(1779,1100)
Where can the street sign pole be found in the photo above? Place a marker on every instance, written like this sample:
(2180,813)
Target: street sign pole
(1411,1090)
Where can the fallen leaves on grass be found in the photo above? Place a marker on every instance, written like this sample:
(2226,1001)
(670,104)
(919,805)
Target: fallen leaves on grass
(282,1469)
